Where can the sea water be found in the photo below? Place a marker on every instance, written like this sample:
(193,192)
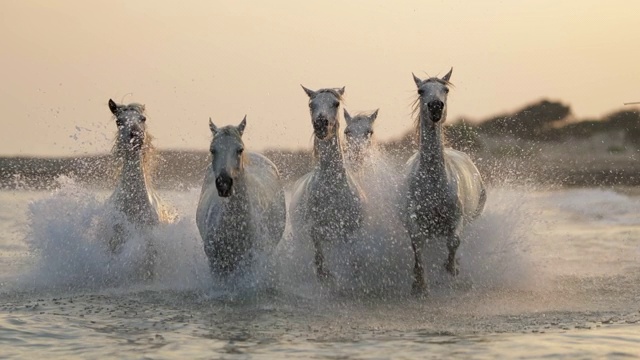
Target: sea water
(544,273)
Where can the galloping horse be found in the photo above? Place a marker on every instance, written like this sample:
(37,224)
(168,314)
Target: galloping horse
(134,195)
(359,137)
(242,203)
(444,189)
(327,203)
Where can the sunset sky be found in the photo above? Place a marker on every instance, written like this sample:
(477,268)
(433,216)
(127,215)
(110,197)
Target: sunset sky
(61,61)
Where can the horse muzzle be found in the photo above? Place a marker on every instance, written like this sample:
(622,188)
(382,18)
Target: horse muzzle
(321,127)
(136,139)
(224,185)
(436,108)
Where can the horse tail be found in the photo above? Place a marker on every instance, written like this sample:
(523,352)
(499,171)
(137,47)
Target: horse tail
(481,201)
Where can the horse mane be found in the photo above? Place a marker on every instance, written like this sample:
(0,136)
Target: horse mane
(149,154)
(415,111)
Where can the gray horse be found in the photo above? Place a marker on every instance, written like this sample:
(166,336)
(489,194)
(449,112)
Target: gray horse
(134,195)
(444,189)
(327,203)
(242,207)
(359,136)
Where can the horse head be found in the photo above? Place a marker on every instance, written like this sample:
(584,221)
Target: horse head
(324,105)
(227,155)
(432,96)
(131,122)
(359,132)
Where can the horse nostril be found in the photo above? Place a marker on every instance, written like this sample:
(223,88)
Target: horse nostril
(224,183)
(435,105)
(320,123)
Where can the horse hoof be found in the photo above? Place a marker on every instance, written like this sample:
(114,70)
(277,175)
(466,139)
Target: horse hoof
(452,268)
(419,290)
(325,276)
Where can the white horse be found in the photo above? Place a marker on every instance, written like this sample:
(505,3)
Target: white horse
(359,137)
(134,195)
(444,189)
(242,206)
(327,203)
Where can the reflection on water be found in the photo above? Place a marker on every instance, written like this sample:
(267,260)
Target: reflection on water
(546,274)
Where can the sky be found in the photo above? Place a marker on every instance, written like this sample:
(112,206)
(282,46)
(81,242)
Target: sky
(60,63)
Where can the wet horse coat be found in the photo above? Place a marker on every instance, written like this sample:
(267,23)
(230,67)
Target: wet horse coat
(443,188)
(242,207)
(327,203)
(134,195)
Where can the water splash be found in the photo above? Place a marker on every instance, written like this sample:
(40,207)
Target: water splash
(68,233)
(69,228)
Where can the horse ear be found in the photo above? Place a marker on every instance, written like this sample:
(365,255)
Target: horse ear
(113,107)
(309,92)
(448,75)
(341,91)
(347,117)
(417,80)
(374,115)
(242,125)
(213,127)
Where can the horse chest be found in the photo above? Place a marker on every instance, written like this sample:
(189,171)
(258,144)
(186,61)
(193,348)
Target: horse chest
(232,232)
(432,206)
(235,221)
(137,207)
(334,206)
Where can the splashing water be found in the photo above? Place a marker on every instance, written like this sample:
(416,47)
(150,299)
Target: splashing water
(68,234)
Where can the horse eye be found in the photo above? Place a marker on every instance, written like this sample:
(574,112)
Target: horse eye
(446,90)
(336,104)
(240,151)
(143,118)
(420,92)
(119,123)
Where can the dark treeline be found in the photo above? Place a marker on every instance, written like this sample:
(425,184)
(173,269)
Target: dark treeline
(513,143)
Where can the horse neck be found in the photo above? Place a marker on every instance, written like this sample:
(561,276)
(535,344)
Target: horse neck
(329,153)
(133,177)
(432,148)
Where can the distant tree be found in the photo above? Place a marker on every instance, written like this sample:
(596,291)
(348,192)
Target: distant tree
(627,121)
(528,123)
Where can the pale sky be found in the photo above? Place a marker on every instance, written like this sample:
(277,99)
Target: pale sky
(61,61)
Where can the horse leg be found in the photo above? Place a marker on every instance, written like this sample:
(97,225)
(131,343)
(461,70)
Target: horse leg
(116,241)
(453,242)
(419,286)
(322,273)
(148,268)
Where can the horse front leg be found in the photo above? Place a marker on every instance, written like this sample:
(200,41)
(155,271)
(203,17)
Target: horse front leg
(453,242)
(322,273)
(419,286)
(151,255)
(117,239)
